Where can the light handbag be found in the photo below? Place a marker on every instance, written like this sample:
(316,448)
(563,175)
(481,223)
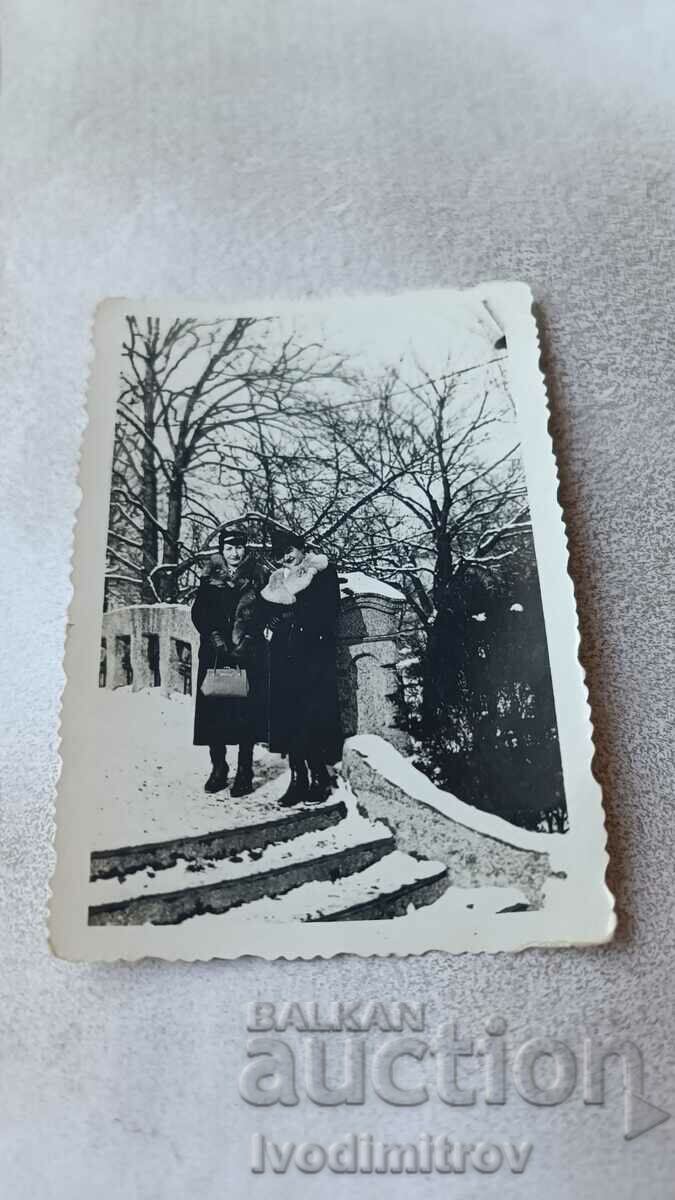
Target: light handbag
(225,683)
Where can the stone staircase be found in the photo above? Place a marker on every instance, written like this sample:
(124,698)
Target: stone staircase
(318,863)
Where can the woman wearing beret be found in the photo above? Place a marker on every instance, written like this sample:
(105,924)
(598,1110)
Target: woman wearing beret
(226,611)
(301,605)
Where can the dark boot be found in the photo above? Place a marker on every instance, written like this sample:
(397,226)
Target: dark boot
(243,780)
(242,784)
(298,789)
(321,785)
(220,772)
(218,779)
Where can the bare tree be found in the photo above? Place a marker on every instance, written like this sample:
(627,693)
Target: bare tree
(411,476)
(415,482)
(196,400)
(441,495)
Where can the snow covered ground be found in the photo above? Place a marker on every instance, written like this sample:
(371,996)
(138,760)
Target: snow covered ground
(152,790)
(462,908)
(400,771)
(152,777)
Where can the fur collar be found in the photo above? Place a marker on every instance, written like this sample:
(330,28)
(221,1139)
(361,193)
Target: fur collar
(286,582)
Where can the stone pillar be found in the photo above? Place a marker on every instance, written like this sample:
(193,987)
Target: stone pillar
(368,682)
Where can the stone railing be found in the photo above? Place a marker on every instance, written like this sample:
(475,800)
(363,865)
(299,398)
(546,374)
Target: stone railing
(156,645)
(149,645)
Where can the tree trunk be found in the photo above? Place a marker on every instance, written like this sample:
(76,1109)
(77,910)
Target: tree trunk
(174,519)
(443,651)
(149,488)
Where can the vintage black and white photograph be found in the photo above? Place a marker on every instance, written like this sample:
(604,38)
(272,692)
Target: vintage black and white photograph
(323,690)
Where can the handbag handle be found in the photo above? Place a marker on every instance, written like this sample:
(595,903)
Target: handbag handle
(225,652)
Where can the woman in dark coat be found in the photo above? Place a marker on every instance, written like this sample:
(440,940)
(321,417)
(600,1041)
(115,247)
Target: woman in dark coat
(226,611)
(301,605)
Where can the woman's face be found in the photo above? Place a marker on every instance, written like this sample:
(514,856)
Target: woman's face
(291,557)
(233,555)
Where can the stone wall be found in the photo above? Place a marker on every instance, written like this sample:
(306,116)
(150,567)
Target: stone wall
(475,858)
(149,645)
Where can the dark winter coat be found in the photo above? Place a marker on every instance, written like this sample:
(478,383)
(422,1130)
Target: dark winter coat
(304,711)
(232,611)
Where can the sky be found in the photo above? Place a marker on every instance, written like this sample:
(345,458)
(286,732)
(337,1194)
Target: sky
(441,332)
(436,328)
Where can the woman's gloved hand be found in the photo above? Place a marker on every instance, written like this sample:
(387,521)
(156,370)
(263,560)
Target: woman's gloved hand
(280,620)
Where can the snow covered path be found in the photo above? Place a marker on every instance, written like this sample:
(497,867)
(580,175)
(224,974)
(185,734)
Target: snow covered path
(166,852)
(328,868)
(154,777)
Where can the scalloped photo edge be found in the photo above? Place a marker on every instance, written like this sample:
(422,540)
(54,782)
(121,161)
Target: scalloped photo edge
(389,432)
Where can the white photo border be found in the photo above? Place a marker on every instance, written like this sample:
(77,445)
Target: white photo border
(579,913)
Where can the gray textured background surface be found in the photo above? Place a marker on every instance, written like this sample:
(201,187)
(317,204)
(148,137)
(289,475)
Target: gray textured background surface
(293,148)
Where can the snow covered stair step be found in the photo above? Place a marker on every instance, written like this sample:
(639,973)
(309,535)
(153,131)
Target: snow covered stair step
(385,889)
(247,827)
(215,886)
